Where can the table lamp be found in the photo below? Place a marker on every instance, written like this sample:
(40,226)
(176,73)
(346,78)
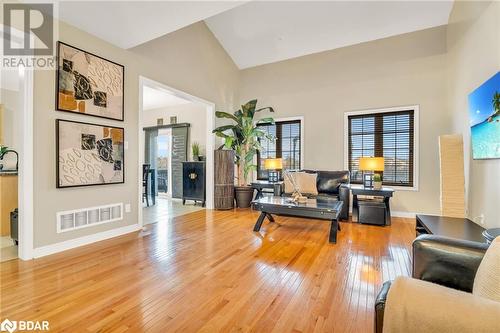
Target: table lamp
(370,165)
(273,165)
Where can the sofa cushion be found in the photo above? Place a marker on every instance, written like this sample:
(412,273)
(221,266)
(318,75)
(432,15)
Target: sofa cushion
(306,182)
(329,181)
(487,280)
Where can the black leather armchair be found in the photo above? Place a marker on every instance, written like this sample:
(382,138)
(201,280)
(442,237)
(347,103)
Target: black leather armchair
(448,262)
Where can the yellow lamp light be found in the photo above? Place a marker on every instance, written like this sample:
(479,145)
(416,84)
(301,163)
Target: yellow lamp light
(371,164)
(273,164)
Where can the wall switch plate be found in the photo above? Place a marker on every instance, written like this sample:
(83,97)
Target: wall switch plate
(128,209)
(125,145)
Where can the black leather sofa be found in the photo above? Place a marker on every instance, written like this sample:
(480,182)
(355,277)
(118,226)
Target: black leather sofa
(334,185)
(448,262)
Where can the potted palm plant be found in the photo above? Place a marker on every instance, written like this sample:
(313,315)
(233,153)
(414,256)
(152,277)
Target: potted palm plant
(243,137)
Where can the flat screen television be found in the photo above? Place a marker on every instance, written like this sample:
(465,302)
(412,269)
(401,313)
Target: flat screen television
(484,115)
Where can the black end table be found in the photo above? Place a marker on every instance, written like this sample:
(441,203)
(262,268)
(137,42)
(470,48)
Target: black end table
(384,192)
(261,185)
(452,227)
(324,209)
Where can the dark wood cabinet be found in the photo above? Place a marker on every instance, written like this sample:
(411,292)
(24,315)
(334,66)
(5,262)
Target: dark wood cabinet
(193,182)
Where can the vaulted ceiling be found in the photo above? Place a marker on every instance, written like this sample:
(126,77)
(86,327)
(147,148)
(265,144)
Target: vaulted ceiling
(258,32)
(130,23)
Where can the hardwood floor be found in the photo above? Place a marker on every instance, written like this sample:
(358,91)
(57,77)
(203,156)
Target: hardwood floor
(208,272)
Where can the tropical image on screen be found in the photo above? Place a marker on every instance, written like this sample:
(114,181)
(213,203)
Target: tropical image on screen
(484,114)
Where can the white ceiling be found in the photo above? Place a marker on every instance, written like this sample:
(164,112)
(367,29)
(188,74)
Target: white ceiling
(130,23)
(155,98)
(259,32)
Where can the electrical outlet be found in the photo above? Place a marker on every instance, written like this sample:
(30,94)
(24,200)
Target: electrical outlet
(128,209)
(480,219)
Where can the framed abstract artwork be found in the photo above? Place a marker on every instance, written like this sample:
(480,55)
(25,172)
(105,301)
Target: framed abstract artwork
(89,154)
(88,84)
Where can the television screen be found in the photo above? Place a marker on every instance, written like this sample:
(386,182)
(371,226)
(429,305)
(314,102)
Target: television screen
(484,114)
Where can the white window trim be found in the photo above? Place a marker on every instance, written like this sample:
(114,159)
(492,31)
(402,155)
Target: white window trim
(416,140)
(302,145)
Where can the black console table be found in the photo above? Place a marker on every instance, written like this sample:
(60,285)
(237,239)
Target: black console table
(452,227)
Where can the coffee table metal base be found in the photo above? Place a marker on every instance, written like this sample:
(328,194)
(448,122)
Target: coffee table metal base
(334,225)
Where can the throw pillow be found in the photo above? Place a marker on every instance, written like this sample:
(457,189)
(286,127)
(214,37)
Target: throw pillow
(487,280)
(306,182)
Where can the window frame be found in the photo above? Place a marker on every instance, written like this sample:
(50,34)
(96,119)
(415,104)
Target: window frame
(416,131)
(284,120)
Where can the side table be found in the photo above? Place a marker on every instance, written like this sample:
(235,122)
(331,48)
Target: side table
(385,193)
(260,185)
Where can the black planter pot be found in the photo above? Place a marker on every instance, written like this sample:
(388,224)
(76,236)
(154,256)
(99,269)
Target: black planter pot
(243,196)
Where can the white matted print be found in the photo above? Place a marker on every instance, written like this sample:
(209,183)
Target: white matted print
(89,154)
(88,84)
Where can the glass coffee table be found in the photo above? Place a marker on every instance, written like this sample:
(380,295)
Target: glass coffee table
(324,209)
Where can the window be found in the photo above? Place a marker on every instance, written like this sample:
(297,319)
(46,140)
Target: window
(287,146)
(387,134)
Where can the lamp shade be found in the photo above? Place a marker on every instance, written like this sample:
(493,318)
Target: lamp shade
(273,164)
(371,164)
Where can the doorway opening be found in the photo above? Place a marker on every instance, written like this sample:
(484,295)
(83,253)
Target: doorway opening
(171,122)
(16,159)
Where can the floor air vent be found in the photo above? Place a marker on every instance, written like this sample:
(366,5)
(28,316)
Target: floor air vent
(87,217)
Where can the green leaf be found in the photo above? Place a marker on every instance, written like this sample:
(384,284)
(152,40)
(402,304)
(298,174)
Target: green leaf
(249,108)
(223,128)
(268,120)
(228,142)
(220,114)
(266,108)
(238,114)
(222,135)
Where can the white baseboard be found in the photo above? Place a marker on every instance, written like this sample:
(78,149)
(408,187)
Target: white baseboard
(404,214)
(85,240)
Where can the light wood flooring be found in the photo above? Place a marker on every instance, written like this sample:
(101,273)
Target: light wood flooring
(208,272)
(167,208)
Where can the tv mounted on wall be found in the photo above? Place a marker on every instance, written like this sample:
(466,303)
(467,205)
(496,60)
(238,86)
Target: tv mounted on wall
(484,114)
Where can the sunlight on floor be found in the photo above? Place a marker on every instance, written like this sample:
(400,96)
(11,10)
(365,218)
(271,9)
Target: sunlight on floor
(167,208)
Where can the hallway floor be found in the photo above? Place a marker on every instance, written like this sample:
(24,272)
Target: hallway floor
(167,208)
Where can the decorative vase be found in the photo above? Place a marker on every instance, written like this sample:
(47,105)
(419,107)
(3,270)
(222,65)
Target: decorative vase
(243,195)
(377,185)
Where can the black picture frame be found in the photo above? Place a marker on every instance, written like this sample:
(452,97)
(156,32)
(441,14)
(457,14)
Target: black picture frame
(57,106)
(57,129)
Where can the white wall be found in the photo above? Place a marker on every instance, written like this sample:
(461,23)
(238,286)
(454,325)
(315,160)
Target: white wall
(407,69)
(473,57)
(194,114)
